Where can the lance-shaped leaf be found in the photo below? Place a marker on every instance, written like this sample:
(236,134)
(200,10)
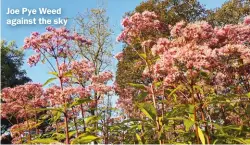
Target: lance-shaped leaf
(143,55)
(58,136)
(137,86)
(50,109)
(44,141)
(80,101)
(53,73)
(49,81)
(188,124)
(84,139)
(56,115)
(68,74)
(141,96)
(201,136)
(139,139)
(148,109)
(92,119)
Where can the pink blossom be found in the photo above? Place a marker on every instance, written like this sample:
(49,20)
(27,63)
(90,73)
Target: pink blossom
(82,70)
(138,23)
(102,77)
(21,97)
(119,56)
(33,60)
(247,20)
(55,42)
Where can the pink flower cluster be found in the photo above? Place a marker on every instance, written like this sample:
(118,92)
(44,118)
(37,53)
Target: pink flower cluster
(125,98)
(198,47)
(99,82)
(20,99)
(55,42)
(139,24)
(204,34)
(193,52)
(247,20)
(102,77)
(119,56)
(33,60)
(82,70)
(56,96)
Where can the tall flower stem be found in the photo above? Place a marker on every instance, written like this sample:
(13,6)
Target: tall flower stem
(195,115)
(65,104)
(74,119)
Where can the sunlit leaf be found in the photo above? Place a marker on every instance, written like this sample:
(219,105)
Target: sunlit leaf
(188,124)
(148,110)
(143,55)
(138,86)
(79,102)
(44,141)
(92,119)
(201,136)
(142,95)
(53,73)
(84,139)
(49,81)
(139,138)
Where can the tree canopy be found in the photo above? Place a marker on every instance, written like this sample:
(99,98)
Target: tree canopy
(11,63)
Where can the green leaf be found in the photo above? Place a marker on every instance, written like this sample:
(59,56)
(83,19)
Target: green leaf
(48,81)
(58,136)
(72,133)
(191,109)
(160,133)
(56,115)
(80,101)
(138,86)
(143,55)
(248,109)
(157,84)
(232,127)
(199,88)
(248,95)
(141,96)
(176,118)
(92,119)
(188,124)
(148,109)
(44,141)
(68,74)
(242,141)
(174,90)
(84,139)
(139,138)
(215,141)
(201,136)
(53,73)
(50,109)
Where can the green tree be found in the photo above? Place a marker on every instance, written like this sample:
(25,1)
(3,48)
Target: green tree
(231,12)
(11,63)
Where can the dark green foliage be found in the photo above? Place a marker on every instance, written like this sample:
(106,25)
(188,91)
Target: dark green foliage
(231,12)
(11,62)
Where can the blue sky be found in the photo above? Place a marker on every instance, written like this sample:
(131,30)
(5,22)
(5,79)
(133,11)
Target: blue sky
(70,8)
